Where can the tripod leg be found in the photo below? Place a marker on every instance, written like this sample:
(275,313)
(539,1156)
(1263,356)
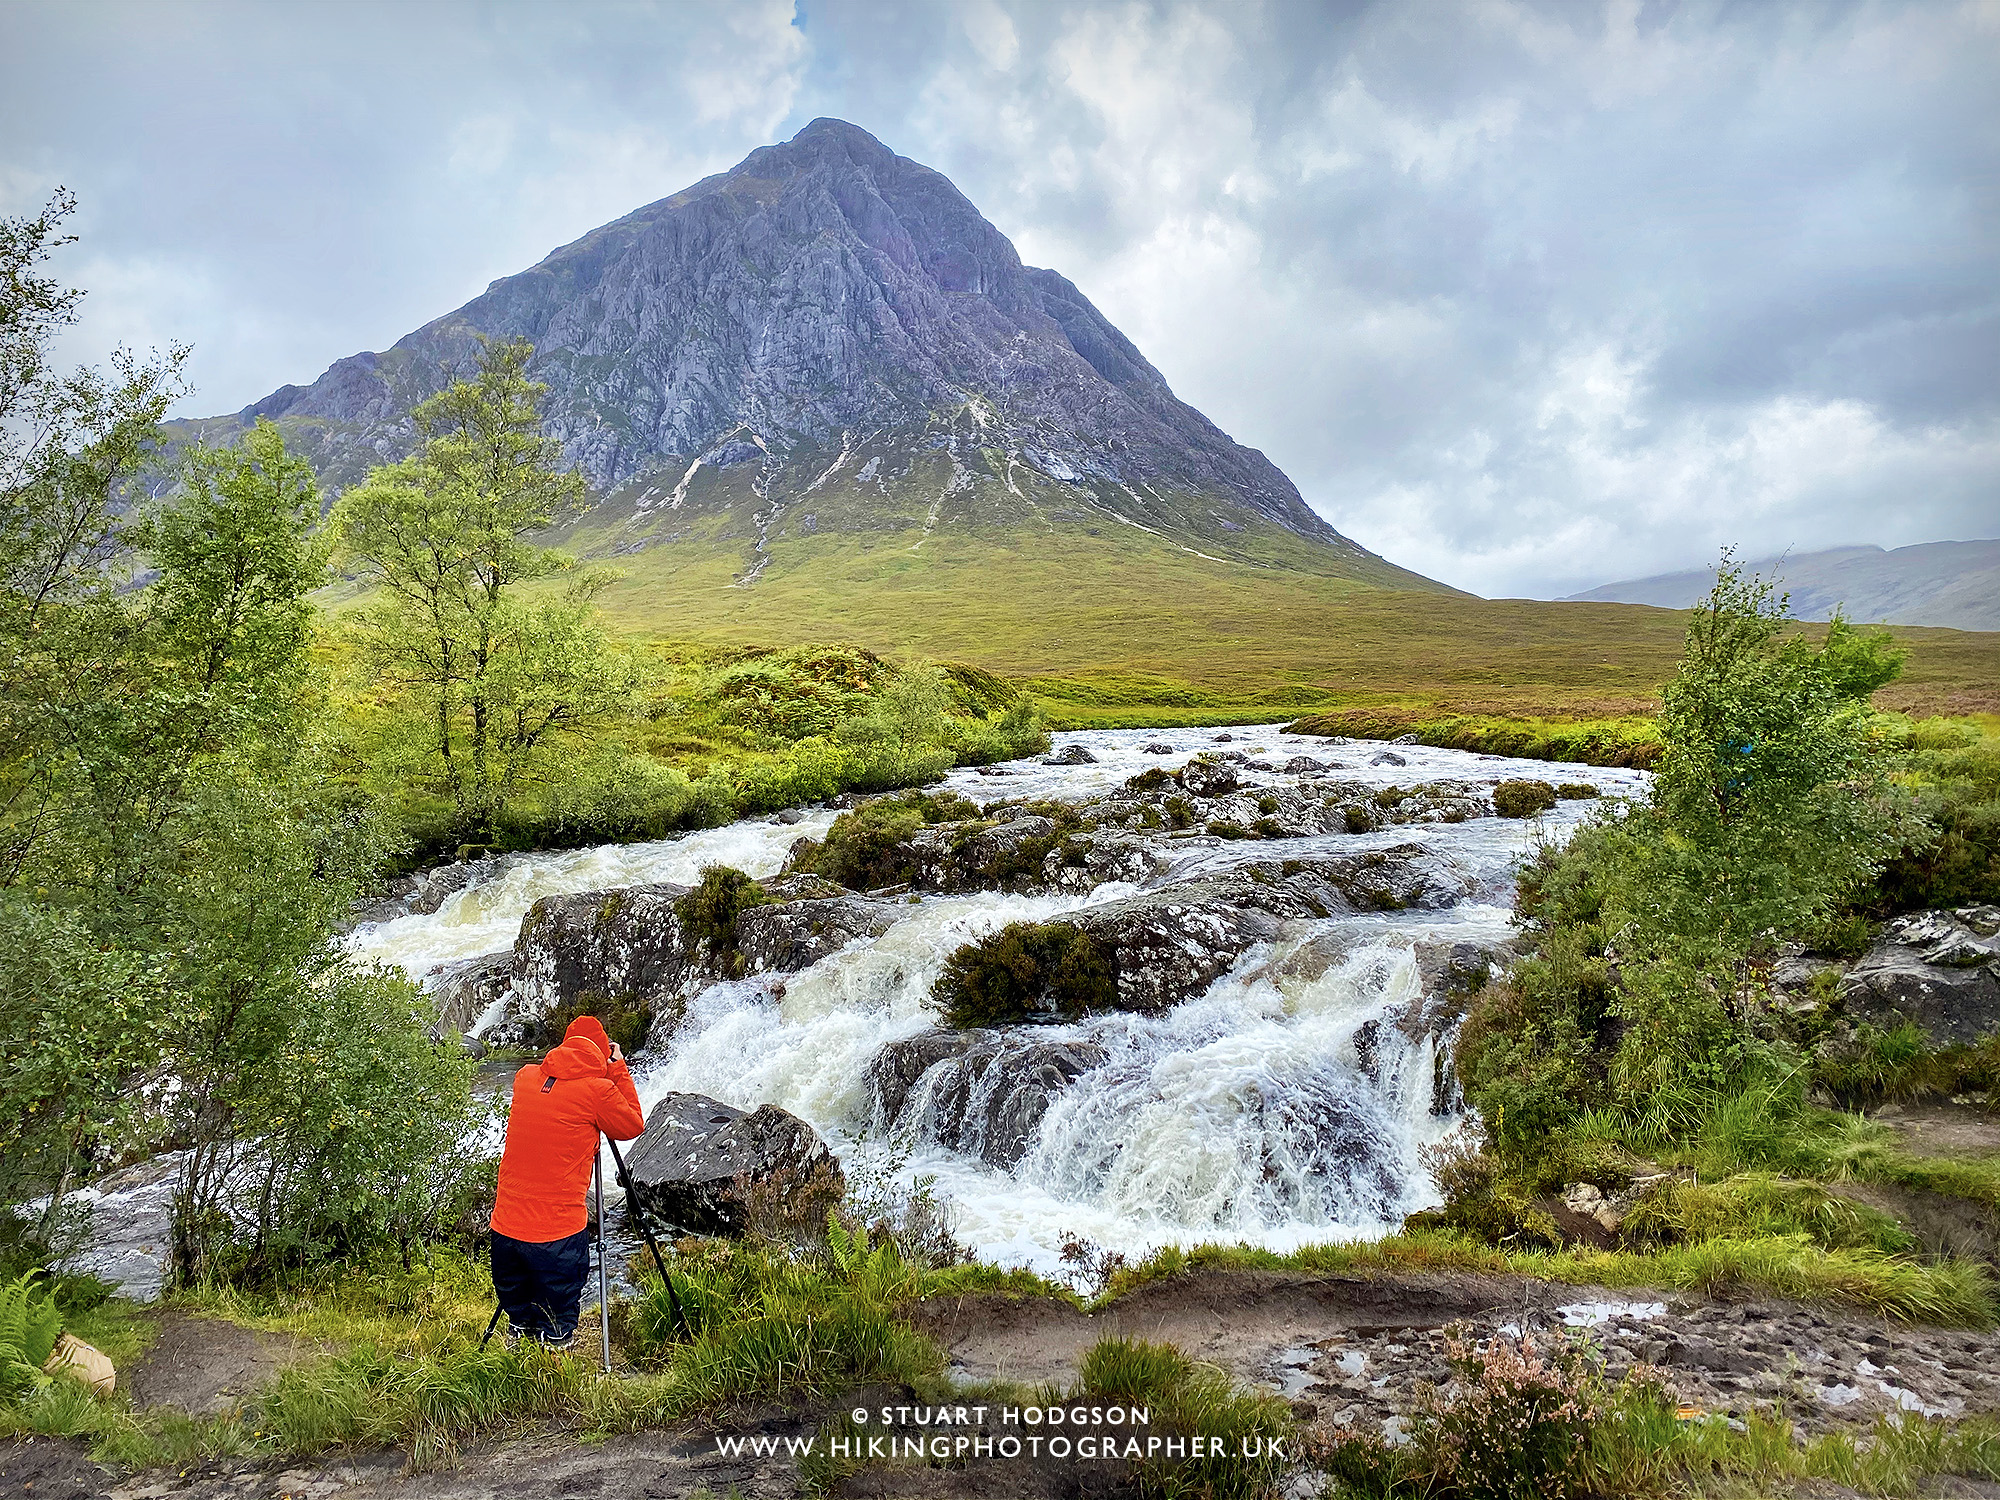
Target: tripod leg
(603,1280)
(638,1217)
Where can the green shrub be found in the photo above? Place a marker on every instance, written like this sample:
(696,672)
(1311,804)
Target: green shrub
(710,910)
(1576,791)
(1523,799)
(865,849)
(1523,1422)
(1028,971)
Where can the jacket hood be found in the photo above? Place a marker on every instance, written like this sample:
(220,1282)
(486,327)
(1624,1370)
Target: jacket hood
(591,1027)
(576,1057)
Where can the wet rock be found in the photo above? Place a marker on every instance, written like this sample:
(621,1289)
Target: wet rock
(1160,748)
(465,991)
(700,1160)
(1939,969)
(1004,855)
(1170,944)
(980,1092)
(627,946)
(435,887)
(1070,755)
(1387,758)
(1452,973)
(1088,860)
(1203,777)
(794,935)
(1404,739)
(1302,765)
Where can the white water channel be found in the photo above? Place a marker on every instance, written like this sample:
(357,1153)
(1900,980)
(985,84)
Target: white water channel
(1252,1113)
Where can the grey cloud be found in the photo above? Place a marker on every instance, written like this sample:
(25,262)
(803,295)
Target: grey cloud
(1527,296)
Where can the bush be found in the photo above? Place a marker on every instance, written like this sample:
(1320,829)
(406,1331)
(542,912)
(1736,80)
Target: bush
(1576,791)
(1523,799)
(1528,1419)
(710,910)
(864,850)
(1028,971)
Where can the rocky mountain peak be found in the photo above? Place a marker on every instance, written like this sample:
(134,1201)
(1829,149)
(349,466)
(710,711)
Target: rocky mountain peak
(826,302)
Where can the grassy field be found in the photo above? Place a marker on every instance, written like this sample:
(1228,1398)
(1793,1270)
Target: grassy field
(1122,628)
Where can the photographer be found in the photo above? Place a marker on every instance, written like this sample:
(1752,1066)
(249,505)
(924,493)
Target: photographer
(541,1234)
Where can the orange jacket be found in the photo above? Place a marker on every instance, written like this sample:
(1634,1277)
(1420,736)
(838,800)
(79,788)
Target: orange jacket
(560,1105)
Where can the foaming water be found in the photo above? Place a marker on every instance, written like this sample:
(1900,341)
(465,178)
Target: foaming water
(485,918)
(1287,1105)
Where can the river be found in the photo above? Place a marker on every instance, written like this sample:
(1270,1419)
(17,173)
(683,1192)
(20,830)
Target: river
(1267,1111)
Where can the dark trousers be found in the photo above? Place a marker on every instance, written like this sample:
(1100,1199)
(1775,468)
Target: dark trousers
(541,1285)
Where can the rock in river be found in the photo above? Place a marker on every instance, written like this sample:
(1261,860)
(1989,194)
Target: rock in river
(705,1166)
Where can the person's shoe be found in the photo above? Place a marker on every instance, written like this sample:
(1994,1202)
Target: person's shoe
(559,1345)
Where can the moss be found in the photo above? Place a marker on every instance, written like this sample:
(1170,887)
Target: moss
(1267,828)
(1180,812)
(1149,780)
(1267,804)
(1389,796)
(1576,791)
(1029,971)
(1223,830)
(1523,799)
(1358,820)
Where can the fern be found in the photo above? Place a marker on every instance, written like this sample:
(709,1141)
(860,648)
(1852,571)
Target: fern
(30,1324)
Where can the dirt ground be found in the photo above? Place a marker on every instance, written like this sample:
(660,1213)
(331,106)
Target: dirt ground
(1943,1129)
(204,1365)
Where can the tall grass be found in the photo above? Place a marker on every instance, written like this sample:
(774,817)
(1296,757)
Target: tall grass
(1948,1293)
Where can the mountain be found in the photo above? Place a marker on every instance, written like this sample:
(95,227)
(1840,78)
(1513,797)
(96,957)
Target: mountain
(828,350)
(1933,583)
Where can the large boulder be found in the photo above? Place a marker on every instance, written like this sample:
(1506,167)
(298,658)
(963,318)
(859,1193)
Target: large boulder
(707,1167)
(791,935)
(979,1092)
(466,990)
(626,948)
(1153,950)
(1939,969)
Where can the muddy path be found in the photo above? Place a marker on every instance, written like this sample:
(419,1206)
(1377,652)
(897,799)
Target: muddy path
(1351,1353)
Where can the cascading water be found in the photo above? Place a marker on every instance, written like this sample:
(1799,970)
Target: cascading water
(1286,1104)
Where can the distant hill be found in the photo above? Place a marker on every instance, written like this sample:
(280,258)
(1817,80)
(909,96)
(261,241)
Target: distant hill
(1933,583)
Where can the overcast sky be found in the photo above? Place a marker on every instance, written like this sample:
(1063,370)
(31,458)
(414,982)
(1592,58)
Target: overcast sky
(1527,297)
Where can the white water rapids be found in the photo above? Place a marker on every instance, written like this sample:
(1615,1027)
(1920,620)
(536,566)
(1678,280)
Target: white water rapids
(1253,1113)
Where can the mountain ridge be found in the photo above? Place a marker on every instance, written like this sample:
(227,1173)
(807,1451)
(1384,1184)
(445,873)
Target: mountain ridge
(829,316)
(1951,584)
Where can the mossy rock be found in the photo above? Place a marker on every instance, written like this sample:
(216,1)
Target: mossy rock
(709,911)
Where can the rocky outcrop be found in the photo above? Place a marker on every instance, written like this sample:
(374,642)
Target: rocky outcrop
(465,991)
(1168,945)
(627,946)
(707,1167)
(1939,969)
(980,1092)
(793,935)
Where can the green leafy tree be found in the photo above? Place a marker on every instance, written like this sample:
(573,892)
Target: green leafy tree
(446,535)
(175,858)
(1763,802)
(237,557)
